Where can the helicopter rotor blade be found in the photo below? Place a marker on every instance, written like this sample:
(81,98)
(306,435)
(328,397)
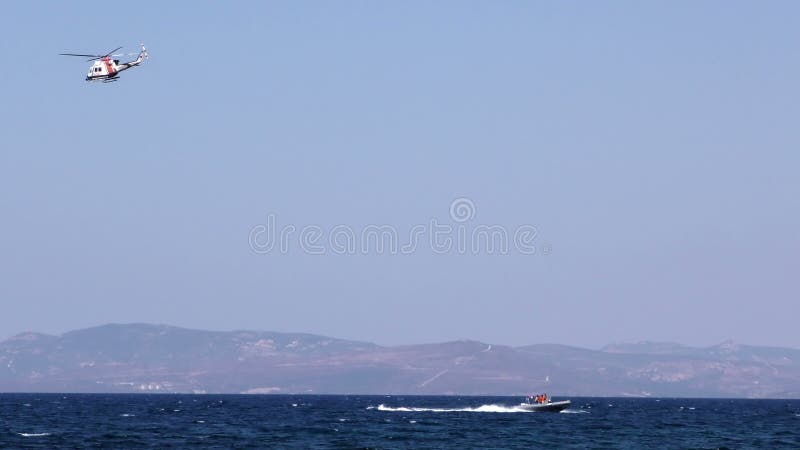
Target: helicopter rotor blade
(112,51)
(76,54)
(96,57)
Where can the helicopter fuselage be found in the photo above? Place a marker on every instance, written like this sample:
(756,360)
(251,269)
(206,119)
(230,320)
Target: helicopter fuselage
(103,69)
(108,69)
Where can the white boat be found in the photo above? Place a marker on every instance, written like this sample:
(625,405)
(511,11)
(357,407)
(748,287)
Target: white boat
(550,406)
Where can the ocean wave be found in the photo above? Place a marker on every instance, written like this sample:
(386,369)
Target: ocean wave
(33,434)
(483,408)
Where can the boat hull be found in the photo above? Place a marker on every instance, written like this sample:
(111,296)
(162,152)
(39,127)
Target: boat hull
(546,407)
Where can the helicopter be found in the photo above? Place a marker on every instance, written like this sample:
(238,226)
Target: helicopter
(105,68)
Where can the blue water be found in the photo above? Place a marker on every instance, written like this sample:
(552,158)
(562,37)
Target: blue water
(284,421)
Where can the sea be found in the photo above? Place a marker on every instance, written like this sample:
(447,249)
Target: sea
(122,421)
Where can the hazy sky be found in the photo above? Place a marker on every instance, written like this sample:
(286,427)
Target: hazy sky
(653,145)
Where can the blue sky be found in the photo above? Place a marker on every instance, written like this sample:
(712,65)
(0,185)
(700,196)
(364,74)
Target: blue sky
(652,144)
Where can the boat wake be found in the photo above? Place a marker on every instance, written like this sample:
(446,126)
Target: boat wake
(481,409)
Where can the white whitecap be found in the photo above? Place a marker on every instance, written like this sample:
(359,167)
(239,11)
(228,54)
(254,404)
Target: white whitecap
(33,434)
(574,411)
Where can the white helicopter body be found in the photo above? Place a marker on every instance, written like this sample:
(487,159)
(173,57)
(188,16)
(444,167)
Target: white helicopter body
(107,69)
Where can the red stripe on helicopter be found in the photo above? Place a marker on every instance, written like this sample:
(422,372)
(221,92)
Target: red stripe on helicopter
(108,66)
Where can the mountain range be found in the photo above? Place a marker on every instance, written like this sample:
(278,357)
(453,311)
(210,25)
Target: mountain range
(161,358)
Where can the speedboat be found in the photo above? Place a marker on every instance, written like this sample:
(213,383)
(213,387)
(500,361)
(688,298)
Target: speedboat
(549,406)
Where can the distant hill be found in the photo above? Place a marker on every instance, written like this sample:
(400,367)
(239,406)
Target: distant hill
(160,358)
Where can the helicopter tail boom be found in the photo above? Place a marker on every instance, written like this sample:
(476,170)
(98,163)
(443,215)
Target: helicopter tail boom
(142,55)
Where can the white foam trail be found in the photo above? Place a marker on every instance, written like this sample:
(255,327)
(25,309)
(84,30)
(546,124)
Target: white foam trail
(482,408)
(574,411)
(33,434)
